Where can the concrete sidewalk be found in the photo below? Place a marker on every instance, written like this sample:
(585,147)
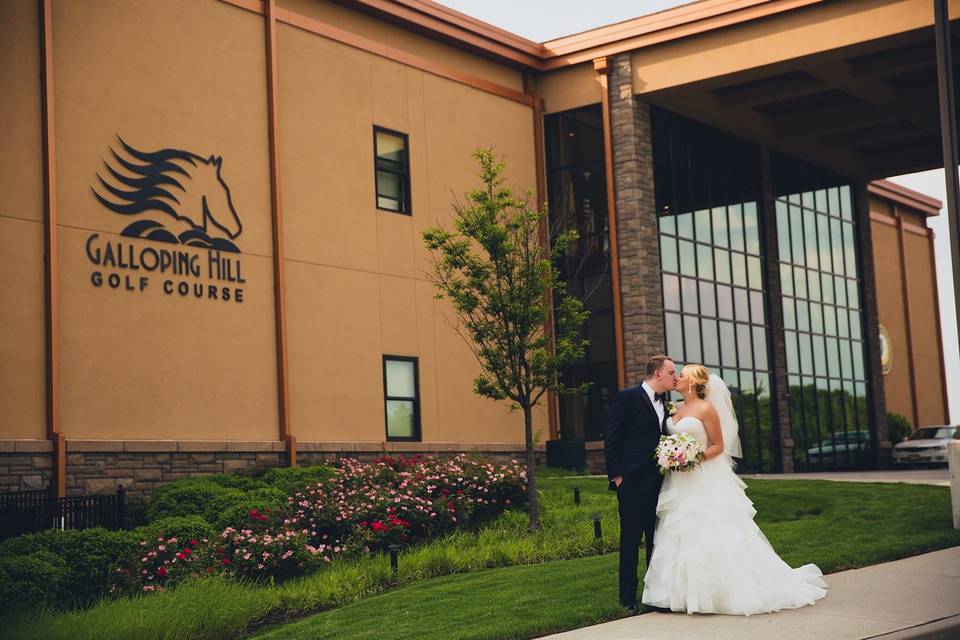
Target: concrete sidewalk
(916,597)
(939,476)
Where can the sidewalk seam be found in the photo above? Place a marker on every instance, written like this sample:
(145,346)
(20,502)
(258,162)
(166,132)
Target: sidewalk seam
(915,626)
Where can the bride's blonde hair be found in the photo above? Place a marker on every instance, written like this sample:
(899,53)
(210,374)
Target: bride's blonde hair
(700,376)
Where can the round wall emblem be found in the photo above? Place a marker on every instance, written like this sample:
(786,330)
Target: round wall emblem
(886,351)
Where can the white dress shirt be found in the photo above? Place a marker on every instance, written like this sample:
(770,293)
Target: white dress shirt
(658,406)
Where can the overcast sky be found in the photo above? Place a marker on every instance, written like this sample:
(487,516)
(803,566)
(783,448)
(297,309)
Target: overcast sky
(541,20)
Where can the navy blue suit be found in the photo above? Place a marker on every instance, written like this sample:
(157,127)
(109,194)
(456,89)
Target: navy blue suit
(629,444)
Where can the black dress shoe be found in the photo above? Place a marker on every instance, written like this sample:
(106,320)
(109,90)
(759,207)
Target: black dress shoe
(658,609)
(632,607)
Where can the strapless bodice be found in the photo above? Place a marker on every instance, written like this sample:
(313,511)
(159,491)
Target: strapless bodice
(689,424)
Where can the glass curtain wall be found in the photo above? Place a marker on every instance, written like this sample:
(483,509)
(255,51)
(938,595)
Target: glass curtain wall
(823,323)
(578,199)
(708,195)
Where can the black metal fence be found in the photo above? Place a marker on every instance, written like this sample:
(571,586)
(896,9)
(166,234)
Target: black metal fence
(29,511)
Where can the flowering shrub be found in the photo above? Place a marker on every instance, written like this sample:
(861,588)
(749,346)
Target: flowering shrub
(362,507)
(401,500)
(162,564)
(256,555)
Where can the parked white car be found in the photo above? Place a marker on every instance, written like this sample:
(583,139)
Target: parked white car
(927,445)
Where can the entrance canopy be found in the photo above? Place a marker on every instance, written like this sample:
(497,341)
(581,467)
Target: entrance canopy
(850,86)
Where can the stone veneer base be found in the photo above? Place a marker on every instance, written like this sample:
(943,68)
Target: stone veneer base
(99,466)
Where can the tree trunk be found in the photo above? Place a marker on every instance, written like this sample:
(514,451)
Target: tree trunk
(531,464)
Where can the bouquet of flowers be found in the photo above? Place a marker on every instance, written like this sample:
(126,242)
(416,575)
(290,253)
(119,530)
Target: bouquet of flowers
(678,452)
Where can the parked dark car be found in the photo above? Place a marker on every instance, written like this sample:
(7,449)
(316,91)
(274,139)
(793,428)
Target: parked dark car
(842,448)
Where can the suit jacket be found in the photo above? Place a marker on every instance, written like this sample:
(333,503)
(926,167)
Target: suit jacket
(633,433)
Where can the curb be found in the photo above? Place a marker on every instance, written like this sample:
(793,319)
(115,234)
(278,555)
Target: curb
(942,629)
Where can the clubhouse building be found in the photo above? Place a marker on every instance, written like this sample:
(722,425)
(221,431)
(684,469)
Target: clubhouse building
(210,236)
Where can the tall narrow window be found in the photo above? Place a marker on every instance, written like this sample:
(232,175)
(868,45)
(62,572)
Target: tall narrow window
(401,389)
(392,166)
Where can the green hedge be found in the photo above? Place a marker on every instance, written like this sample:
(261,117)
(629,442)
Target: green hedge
(88,554)
(899,427)
(235,512)
(293,479)
(214,497)
(200,496)
(35,580)
(63,569)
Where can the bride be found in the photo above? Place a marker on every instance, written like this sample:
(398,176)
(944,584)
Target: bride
(709,556)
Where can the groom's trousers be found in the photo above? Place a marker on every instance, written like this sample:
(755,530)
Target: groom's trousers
(637,498)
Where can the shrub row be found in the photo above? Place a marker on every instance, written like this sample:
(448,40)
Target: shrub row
(282,524)
(358,509)
(64,569)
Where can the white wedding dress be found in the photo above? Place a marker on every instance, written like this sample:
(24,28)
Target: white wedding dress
(708,554)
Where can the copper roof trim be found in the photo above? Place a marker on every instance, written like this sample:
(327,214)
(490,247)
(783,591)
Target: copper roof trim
(456,28)
(682,14)
(672,24)
(908,197)
(465,31)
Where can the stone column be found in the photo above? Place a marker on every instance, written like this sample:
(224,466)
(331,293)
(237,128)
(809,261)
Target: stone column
(876,400)
(780,387)
(638,235)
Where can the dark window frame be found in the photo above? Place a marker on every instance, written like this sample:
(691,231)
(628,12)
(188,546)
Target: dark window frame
(417,435)
(379,164)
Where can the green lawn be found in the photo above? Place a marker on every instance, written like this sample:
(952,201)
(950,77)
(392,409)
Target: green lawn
(514,602)
(465,586)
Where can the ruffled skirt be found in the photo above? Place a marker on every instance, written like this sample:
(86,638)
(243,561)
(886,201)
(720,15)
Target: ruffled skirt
(709,556)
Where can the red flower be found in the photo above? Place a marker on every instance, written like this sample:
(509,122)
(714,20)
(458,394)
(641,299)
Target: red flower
(226,561)
(378,526)
(193,543)
(209,569)
(181,556)
(162,572)
(187,550)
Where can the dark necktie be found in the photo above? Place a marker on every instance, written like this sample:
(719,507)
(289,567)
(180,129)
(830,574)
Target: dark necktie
(661,398)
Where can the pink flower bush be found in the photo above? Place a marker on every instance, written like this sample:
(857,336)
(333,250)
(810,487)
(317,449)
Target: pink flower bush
(398,500)
(252,554)
(162,564)
(363,507)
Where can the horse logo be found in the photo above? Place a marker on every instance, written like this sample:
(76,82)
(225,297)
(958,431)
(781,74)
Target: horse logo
(187,187)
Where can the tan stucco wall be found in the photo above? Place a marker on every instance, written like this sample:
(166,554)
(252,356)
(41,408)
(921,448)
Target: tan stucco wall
(570,88)
(927,356)
(187,75)
(22,368)
(356,276)
(405,40)
(897,385)
(923,316)
(183,74)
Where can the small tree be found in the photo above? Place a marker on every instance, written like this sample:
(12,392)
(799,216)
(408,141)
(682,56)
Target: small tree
(498,271)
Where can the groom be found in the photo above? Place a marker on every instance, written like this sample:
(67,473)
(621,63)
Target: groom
(636,419)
